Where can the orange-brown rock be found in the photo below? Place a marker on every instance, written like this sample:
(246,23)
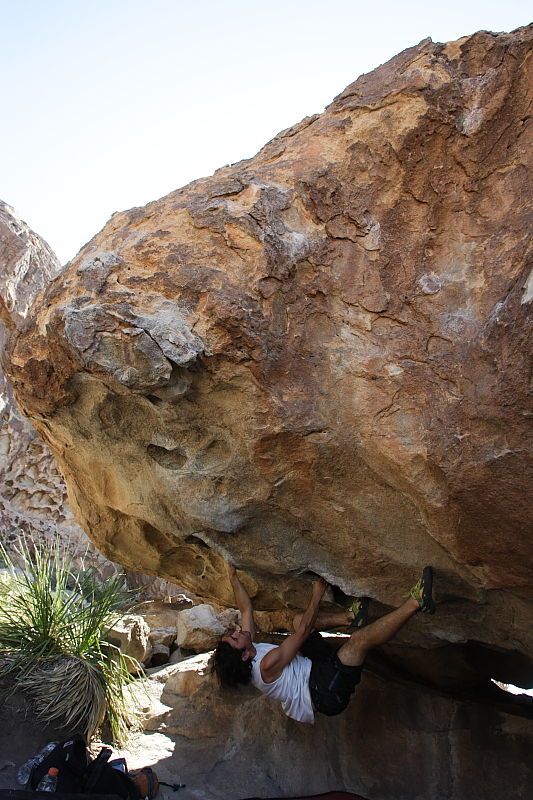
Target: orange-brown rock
(33,497)
(316,360)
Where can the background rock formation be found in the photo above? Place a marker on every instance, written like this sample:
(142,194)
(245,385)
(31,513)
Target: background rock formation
(33,495)
(32,490)
(315,361)
(28,266)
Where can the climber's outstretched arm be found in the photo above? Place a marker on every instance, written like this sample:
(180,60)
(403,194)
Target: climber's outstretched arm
(243,602)
(273,664)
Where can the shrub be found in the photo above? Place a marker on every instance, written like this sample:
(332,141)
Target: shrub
(53,621)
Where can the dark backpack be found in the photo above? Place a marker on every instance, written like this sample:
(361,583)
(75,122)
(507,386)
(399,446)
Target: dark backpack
(79,773)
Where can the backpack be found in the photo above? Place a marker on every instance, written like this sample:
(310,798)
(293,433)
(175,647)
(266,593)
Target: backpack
(79,773)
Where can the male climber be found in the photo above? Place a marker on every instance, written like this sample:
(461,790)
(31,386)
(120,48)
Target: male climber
(304,673)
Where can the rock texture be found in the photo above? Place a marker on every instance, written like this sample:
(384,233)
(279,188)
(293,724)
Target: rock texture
(200,628)
(33,495)
(34,503)
(395,742)
(131,634)
(32,490)
(28,266)
(315,361)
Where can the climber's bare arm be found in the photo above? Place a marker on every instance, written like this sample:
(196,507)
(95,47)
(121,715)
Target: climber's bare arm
(244,604)
(276,660)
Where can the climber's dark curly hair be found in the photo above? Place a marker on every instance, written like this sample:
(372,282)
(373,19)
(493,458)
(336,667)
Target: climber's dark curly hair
(229,666)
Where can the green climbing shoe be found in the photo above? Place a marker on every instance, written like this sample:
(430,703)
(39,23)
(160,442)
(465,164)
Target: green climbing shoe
(359,609)
(422,592)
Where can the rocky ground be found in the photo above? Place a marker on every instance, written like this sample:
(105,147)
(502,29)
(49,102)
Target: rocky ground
(232,744)
(226,748)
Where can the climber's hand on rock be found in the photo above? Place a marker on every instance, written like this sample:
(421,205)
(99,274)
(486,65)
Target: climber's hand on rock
(232,572)
(319,587)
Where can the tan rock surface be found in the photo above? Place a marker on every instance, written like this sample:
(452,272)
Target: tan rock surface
(163,636)
(160,614)
(33,495)
(185,678)
(315,360)
(131,634)
(395,742)
(200,628)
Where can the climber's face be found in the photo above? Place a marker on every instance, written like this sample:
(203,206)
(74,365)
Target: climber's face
(240,640)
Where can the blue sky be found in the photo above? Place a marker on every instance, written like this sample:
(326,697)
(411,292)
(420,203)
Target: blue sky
(108,104)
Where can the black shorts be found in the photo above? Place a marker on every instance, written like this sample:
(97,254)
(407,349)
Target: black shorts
(331,682)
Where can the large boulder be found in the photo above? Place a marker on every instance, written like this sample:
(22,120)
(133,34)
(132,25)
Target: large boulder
(314,361)
(395,742)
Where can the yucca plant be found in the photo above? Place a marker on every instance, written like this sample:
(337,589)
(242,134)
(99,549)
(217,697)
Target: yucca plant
(53,621)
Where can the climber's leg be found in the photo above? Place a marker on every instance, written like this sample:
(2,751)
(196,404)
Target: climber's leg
(353,652)
(327,620)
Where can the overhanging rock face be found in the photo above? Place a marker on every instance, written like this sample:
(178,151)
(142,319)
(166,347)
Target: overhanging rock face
(316,360)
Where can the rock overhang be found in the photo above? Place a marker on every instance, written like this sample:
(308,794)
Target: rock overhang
(313,361)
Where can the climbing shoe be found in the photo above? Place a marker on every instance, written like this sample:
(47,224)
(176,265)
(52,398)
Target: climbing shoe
(422,592)
(359,609)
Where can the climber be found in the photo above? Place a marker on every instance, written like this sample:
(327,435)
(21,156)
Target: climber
(304,673)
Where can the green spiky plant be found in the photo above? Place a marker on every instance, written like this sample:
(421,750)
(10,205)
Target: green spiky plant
(53,621)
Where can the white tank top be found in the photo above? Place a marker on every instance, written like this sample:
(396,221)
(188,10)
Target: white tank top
(291,688)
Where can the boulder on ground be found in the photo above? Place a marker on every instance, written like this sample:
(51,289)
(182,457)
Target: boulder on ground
(131,634)
(186,677)
(393,742)
(162,636)
(200,628)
